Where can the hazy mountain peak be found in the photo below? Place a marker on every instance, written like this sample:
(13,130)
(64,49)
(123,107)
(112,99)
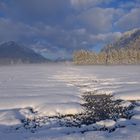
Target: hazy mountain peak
(130,32)
(11,52)
(129,40)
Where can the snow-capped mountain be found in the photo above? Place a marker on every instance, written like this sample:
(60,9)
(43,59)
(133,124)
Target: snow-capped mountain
(129,40)
(11,52)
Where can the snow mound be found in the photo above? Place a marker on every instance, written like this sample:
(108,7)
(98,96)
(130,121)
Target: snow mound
(136,119)
(136,110)
(122,122)
(126,104)
(105,124)
(56,109)
(10,118)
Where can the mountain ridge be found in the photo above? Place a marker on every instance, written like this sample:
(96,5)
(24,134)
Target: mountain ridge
(128,40)
(13,53)
(126,50)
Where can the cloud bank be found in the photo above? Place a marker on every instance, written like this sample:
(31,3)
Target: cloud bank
(59,27)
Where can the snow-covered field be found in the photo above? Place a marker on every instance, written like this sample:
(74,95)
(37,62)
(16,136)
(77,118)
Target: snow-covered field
(33,97)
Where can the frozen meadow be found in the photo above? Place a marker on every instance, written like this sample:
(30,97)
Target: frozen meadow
(38,102)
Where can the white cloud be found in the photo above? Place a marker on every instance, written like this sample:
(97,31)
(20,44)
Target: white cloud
(31,11)
(66,24)
(10,30)
(106,38)
(98,20)
(130,20)
(62,39)
(83,4)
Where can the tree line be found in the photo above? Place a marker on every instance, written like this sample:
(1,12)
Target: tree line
(113,56)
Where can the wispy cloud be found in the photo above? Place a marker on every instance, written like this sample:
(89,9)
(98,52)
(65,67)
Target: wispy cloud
(66,25)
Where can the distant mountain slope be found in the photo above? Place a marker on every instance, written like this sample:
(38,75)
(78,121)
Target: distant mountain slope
(11,53)
(129,40)
(125,50)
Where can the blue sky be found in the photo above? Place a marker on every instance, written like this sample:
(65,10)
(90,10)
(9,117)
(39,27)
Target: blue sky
(56,28)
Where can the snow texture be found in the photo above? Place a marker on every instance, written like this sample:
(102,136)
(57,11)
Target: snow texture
(29,92)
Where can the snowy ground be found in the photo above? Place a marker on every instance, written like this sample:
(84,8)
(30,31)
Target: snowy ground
(33,99)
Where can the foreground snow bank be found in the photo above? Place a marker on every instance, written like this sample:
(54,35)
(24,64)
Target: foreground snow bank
(41,92)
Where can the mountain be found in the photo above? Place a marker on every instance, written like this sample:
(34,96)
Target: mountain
(13,53)
(129,40)
(125,50)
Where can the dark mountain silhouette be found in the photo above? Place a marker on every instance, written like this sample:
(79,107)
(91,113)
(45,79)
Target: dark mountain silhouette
(13,53)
